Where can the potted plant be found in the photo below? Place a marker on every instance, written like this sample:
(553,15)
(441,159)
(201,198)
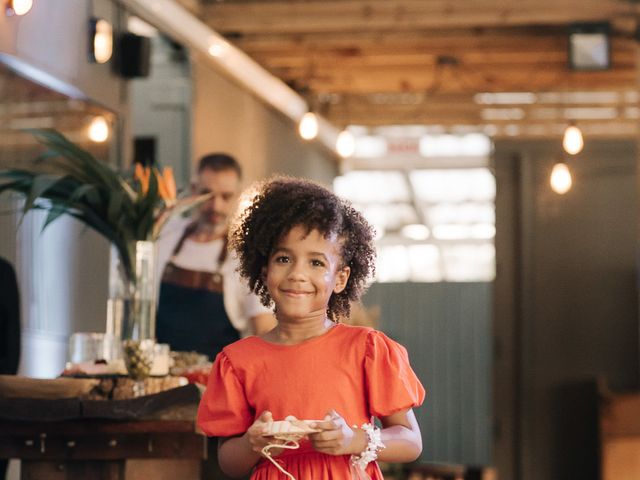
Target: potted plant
(129,209)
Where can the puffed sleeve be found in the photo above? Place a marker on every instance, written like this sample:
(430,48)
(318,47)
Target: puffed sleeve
(391,383)
(224,410)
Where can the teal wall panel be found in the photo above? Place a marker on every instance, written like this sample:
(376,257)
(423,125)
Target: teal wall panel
(446,327)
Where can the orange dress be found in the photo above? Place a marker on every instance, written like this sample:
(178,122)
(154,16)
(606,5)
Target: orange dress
(357,371)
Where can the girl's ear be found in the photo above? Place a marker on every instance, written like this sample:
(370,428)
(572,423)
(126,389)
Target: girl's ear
(342,276)
(263,274)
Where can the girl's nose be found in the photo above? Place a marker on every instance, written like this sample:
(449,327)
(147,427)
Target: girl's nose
(296,270)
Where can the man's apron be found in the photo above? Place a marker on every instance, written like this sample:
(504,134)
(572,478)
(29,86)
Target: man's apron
(191,314)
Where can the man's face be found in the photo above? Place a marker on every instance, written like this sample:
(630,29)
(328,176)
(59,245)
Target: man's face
(224,185)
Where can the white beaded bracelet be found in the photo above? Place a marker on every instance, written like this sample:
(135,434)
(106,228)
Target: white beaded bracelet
(374,445)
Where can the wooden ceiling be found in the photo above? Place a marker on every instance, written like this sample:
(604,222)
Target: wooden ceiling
(433,62)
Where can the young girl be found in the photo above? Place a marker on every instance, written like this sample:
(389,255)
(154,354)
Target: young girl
(309,253)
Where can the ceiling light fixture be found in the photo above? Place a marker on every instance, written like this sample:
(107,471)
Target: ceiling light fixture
(217,48)
(345,144)
(308,126)
(560,180)
(98,129)
(18,7)
(100,40)
(572,142)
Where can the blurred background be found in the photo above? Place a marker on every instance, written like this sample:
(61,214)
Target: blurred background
(507,245)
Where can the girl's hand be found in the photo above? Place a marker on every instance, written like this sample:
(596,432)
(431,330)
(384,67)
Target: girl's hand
(336,437)
(255,433)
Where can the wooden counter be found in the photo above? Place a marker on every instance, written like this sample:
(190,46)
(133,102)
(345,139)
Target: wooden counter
(94,449)
(152,437)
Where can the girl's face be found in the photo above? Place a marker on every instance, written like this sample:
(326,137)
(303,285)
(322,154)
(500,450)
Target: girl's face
(303,272)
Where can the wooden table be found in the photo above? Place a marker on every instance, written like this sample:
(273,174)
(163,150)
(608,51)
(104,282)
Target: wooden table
(99,445)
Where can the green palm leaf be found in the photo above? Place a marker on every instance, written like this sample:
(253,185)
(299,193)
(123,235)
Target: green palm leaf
(79,185)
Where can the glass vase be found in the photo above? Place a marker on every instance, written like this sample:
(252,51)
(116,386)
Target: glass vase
(131,310)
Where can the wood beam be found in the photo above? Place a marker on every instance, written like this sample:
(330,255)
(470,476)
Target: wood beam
(480,38)
(471,44)
(486,78)
(379,15)
(434,56)
(461,61)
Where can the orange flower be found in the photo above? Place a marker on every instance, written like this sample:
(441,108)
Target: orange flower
(142,174)
(165,180)
(169,184)
(166,185)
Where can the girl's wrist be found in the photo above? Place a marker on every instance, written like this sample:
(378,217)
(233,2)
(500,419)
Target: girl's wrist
(359,441)
(373,445)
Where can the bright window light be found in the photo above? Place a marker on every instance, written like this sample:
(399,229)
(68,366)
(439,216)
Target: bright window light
(370,146)
(454,185)
(432,224)
(471,144)
(372,186)
(415,231)
(467,212)
(483,231)
(391,216)
(464,263)
(393,264)
(451,232)
(425,263)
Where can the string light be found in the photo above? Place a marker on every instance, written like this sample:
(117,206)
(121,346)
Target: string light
(308,127)
(98,129)
(561,178)
(345,144)
(572,142)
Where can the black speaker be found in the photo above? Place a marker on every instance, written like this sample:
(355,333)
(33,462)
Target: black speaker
(133,55)
(144,151)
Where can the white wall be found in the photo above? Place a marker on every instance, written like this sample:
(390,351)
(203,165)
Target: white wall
(62,272)
(226,118)
(53,38)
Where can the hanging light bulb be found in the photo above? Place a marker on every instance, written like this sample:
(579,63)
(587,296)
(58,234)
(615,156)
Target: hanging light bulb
(308,127)
(217,48)
(18,7)
(98,129)
(572,141)
(561,178)
(345,144)
(102,47)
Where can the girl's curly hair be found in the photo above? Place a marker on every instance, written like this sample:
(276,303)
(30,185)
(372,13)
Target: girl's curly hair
(282,203)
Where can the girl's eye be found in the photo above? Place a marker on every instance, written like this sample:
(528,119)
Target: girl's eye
(282,259)
(317,263)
